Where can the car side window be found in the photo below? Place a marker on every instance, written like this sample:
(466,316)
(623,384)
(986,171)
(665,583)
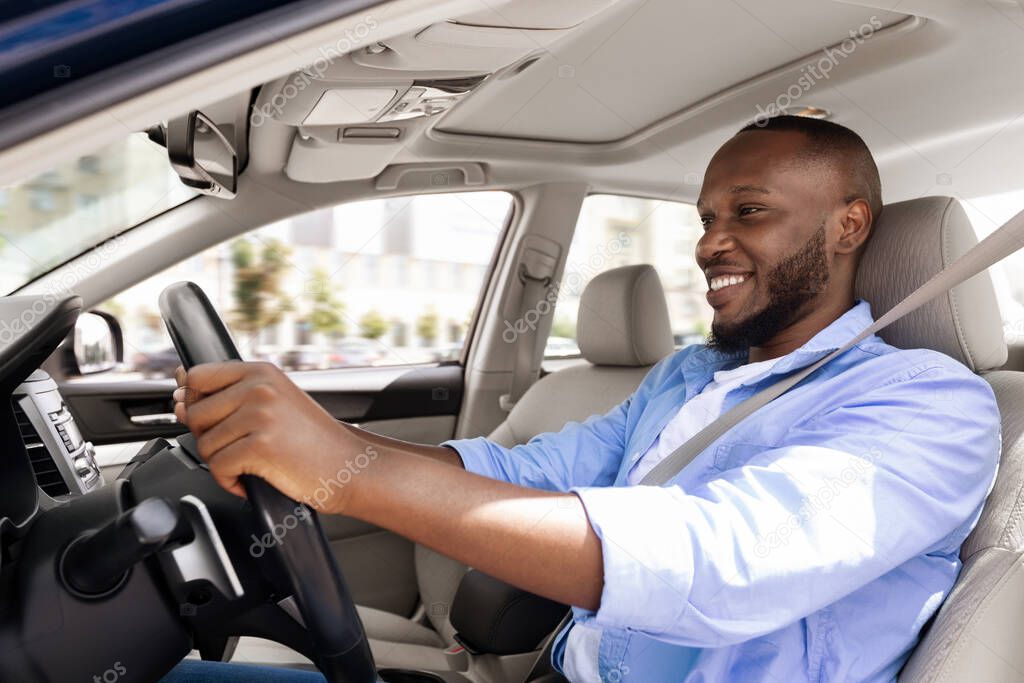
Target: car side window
(987,213)
(613,231)
(380,282)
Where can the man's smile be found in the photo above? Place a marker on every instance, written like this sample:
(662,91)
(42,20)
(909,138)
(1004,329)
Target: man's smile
(725,284)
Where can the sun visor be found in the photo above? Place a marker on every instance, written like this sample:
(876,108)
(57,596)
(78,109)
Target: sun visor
(315,161)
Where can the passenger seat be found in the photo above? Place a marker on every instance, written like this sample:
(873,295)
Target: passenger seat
(622,330)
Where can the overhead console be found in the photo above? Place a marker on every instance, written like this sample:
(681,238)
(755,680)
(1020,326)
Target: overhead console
(341,95)
(355,112)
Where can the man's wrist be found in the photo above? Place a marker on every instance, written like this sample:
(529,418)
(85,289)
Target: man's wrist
(347,470)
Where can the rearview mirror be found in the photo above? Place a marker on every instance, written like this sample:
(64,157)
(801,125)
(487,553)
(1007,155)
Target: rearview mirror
(97,344)
(202,156)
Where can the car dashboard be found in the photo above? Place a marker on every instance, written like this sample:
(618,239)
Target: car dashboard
(64,464)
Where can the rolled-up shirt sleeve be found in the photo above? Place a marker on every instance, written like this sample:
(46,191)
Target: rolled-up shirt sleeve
(851,495)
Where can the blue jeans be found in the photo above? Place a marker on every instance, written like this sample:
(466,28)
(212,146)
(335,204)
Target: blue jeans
(196,671)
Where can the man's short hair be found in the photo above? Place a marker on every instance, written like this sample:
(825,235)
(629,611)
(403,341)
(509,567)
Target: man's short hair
(838,146)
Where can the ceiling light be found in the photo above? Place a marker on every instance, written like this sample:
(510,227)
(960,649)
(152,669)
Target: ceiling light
(430,97)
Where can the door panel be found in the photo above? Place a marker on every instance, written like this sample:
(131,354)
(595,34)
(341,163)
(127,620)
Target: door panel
(104,410)
(130,410)
(433,429)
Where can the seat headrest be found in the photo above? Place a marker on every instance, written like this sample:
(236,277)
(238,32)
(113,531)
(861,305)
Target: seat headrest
(912,241)
(623,318)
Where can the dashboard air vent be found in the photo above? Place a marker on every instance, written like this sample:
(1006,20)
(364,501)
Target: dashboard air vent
(47,475)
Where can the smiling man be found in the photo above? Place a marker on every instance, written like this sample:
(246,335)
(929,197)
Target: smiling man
(810,543)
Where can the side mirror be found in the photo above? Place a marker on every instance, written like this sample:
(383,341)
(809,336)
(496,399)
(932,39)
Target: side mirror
(202,156)
(97,344)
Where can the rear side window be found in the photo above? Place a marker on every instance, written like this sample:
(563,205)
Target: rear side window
(380,282)
(988,213)
(614,231)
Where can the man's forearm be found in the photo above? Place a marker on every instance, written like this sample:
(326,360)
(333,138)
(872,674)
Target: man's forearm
(448,456)
(537,540)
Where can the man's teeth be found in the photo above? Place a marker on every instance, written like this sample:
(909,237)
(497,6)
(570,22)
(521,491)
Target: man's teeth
(726,280)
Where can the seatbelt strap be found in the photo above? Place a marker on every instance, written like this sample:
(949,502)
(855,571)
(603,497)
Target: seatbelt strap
(536,270)
(1000,244)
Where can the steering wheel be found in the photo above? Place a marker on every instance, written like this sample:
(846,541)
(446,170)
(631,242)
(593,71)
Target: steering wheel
(323,598)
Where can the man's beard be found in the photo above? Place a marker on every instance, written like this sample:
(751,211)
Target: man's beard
(791,284)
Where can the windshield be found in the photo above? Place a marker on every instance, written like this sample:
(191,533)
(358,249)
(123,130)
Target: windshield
(57,215)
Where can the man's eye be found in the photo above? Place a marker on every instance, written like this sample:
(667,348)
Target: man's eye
(706,220)
(747,210)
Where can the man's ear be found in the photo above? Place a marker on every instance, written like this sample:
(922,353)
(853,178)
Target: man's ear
(856,227)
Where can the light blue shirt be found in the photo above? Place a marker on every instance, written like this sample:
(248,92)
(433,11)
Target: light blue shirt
(810,543)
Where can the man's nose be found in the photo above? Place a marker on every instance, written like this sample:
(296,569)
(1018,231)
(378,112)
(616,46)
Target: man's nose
(715,241)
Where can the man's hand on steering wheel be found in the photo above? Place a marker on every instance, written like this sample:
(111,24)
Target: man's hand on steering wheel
(250,418)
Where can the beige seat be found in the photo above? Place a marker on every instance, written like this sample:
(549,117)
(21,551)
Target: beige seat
(976,635)
(622,329)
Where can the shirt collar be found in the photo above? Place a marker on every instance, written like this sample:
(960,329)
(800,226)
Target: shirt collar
(838,332)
